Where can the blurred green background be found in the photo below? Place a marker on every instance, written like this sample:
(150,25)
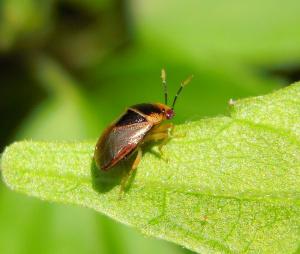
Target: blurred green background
(68,68)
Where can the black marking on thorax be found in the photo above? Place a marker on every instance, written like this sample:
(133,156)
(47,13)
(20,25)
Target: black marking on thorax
(130,117)
(147,108)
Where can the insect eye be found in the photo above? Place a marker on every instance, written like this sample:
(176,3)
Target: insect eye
(170,114)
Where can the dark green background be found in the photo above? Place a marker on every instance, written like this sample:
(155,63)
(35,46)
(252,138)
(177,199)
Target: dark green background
(68,68)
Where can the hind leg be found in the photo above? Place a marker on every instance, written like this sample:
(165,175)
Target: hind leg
(133,168)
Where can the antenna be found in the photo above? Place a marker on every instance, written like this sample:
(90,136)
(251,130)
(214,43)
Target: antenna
(182,85)
(164,83)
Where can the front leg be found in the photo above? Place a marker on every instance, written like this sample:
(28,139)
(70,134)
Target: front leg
(160,133)
(165,128)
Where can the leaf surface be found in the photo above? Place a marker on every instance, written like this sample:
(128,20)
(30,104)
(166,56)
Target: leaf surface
(224,185)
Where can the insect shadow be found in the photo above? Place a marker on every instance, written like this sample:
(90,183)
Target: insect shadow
(104,181)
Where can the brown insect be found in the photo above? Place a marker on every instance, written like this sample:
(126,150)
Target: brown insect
(139,124)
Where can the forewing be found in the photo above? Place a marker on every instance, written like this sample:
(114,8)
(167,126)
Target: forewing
(120,141)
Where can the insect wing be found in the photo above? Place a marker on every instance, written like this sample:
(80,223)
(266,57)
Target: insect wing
(118,142)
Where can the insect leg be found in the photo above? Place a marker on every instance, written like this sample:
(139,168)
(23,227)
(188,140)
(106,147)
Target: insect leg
(162,133)
(137,159)
(133,168)
(164,128)
(169,127)
(157,136)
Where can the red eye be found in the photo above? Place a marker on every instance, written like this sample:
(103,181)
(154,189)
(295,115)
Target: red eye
(170,113)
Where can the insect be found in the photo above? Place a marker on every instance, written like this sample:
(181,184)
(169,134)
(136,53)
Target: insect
(139,124)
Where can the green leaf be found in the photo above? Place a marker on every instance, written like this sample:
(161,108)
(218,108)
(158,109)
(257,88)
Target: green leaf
(224,185)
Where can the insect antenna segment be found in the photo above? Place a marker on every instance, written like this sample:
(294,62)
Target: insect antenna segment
(164,83)
(182,85)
